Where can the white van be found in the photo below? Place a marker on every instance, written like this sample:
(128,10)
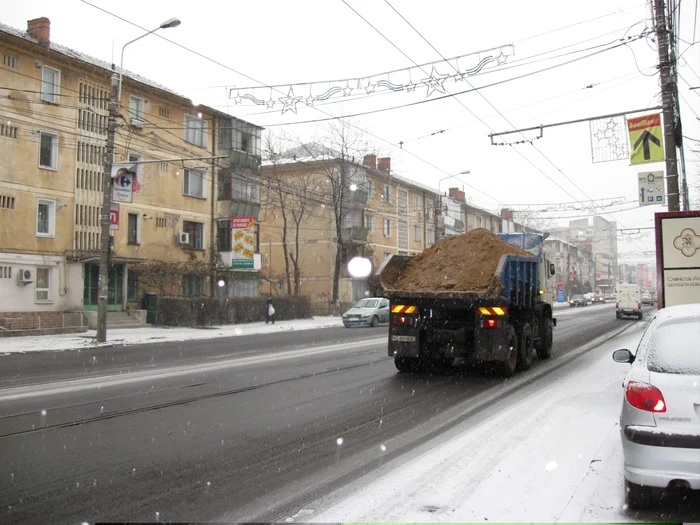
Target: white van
(629,301)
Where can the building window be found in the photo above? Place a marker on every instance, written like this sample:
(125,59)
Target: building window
(10,61)
(478,222)
(7,202)
(370,185)
(223,235)
(387,193)
(45,218)
(193,285)
(243,188)
(42,288)
(163,167)
(134,229)
(8,131)
(132,286)
(369,223)
(416,203)
(163,112)
(416,234)
(430,237)
(50,84)
(194,183)
(136,110)
(196,231)
(387,228)
(429,208)
(194,130)
(5,272)
(161,222)
(48,151)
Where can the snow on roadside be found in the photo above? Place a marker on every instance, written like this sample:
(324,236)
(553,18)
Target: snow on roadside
(136,336)
(554,455)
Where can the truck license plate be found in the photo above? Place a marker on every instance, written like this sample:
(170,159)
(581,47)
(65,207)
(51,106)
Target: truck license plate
(403,338)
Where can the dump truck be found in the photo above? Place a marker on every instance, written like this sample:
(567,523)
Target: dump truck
(504,324)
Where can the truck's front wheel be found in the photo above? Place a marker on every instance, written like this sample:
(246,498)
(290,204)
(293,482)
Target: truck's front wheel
(544,348)
(511,361)
(527,348)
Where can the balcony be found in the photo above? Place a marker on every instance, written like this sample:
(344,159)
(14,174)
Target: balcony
(241,159)
(355,235)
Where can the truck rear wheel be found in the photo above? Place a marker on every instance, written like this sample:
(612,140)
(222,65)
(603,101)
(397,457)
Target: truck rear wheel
(544,348)
(511,362)
(526,348)
(405,364)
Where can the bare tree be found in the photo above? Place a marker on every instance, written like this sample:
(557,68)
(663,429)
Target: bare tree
(304,198)
(530,219)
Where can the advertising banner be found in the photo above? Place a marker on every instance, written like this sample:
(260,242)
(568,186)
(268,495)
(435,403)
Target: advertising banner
(243,243)
(678,257)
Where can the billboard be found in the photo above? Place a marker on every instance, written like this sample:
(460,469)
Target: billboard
(243,243)
(678,257)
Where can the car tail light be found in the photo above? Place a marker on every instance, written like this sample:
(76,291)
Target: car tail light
(404,320)
(639,305)
(617,304)
(645,397)
(490,323)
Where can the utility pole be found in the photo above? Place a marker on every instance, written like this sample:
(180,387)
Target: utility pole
(667,73)
(103,282)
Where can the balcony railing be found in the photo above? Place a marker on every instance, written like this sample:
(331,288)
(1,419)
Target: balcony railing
(355,234)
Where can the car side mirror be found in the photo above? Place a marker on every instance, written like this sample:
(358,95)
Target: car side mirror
(623,356)
(552,269)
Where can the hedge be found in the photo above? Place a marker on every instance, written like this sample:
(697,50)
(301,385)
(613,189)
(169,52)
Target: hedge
(207,311)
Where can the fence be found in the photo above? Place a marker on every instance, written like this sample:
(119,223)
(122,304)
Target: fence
(17,321)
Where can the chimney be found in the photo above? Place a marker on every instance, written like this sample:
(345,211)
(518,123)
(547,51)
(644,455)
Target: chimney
(40,28)
(385,164)
(370,161)
(506,213)
(455,193)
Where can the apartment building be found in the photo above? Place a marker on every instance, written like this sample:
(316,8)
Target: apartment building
(163,218)
(575,267)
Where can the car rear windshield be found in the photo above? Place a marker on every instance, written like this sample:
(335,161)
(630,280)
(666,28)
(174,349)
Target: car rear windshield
(674,349)
(579,297)
(366,303)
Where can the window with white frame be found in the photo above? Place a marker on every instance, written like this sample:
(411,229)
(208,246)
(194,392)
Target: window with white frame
(417,233)
(48,151)
(196,231)
(194,183)
(430,237)
(136,109)
(369,223)
(387,228)
(416,203)
(50,84)
(45,218)
(42,285)
(133,228)
(195,130)
(387,193)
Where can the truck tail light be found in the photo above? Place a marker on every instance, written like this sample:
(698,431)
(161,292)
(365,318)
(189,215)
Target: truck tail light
(645,397)
(408,320)
(490,323)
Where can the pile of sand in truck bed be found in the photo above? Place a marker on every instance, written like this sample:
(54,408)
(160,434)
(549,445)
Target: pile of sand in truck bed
(463,263)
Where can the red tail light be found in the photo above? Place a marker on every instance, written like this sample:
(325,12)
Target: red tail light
(617,304)
(639,305)
(645,397)
(404,319)
(490,323)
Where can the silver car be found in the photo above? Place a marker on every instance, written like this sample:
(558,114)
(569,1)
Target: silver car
(660,419)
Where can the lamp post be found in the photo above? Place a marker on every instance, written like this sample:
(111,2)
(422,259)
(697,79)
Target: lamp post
(114,101)
(438,204)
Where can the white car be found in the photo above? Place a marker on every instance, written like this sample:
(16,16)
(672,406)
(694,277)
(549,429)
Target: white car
(660,418)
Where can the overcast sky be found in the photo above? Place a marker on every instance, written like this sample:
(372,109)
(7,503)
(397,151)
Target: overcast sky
(312,42)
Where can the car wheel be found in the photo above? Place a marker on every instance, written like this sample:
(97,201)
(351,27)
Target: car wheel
(405,364)
(526,348)
(617,314)
(544,348)
(638,497)
(374,322)
(640,315)
(511,361)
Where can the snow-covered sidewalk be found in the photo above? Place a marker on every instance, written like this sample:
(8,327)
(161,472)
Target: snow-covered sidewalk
(136,336)
(540,455)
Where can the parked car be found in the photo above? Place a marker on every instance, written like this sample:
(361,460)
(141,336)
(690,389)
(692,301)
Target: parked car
(598,298)
(647,299)
(367,312)
(660,417)
(578,300)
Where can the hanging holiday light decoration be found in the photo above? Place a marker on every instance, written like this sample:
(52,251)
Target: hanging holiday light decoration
(399,80)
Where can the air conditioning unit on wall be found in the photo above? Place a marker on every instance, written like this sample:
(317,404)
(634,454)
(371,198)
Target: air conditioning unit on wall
(183,238)
(25,276)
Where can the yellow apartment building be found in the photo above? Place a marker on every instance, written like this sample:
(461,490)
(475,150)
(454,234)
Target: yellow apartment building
(168,222)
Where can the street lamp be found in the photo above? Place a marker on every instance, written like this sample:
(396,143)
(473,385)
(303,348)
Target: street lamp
(465,172)
(114,102)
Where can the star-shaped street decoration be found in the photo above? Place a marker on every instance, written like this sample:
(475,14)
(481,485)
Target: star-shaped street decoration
(369,88)
(270,104)
(411,87)
(459,76)
(238,98)
(309,100)
(501,59)
(347,91)
(290,101)
(434,82)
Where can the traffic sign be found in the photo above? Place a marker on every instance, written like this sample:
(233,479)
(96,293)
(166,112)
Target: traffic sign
(651,188)
(123,188)
(646,139)
(114,217)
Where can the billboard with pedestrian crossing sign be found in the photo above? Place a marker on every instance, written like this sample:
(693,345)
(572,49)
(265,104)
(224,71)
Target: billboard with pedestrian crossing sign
(652,188)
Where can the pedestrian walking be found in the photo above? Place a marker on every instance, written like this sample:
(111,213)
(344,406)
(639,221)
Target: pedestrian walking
(270,312)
